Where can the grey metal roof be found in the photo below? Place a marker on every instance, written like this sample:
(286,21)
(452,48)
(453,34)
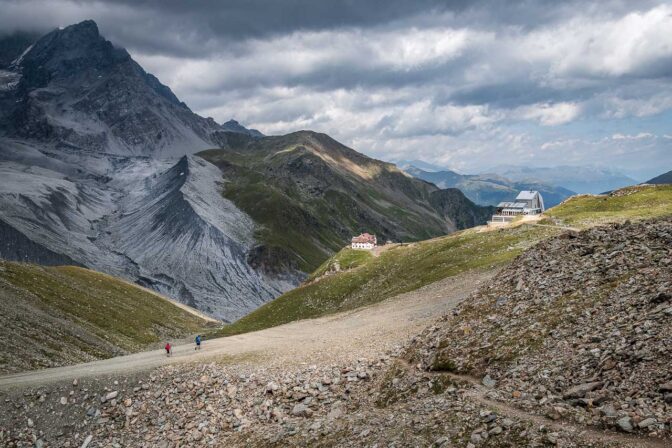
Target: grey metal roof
(527,195)
(511,205)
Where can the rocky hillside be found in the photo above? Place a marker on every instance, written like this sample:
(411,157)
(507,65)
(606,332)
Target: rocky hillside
(576,328)
(65,315)
(88,146)
(310,194)
(490,189)
(364,402)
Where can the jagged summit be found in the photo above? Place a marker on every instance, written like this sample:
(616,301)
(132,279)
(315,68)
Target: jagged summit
(74,89)
(233,126)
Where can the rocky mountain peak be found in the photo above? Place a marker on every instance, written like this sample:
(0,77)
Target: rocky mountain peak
(74,89)
(68,52)
(233,126)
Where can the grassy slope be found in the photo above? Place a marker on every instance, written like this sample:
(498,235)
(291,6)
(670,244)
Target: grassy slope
(396,271)
(410,267)
(310,194)
(74,314)
(346,259)
(634,203)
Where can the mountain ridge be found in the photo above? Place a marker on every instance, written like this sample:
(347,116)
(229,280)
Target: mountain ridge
(75,89)
(490,189)
(323,182)
(665,178)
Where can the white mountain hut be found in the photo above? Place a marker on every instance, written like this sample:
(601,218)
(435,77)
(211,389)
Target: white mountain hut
(527,203)
(364,241)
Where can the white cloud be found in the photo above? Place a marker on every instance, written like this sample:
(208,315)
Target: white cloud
(640,136)
(588,46)
(647,105)
(551,114)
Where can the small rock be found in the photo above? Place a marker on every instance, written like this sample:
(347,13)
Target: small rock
(625,424)
(608,411)
(64,400)
(301,410)
(335,414)
(496,430)
(488,381)
(581,390)
(647,422)
(88,440)
(666,387)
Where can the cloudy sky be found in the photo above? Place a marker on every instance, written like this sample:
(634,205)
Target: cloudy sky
(463,84)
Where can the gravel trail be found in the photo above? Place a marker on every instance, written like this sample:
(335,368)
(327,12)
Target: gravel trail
(366,332)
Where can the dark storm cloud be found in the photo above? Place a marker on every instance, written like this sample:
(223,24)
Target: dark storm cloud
(177,27)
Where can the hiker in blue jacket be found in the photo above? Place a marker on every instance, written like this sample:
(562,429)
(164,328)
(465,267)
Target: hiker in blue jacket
(198,342)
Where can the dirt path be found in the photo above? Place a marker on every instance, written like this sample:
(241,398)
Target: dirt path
(366,332)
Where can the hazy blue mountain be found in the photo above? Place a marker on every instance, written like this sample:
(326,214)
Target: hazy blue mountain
(581,179)
(425,166)
(490,189)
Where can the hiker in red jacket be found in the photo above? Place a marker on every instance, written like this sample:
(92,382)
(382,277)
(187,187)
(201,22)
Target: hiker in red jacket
(167,347)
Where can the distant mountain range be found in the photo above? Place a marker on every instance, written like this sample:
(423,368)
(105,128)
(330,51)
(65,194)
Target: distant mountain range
(665,178)
(425,166)
(98,167)
(490,189)
(581,179)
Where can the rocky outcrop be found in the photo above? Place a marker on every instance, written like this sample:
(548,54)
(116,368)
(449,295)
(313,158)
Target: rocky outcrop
(577,327)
